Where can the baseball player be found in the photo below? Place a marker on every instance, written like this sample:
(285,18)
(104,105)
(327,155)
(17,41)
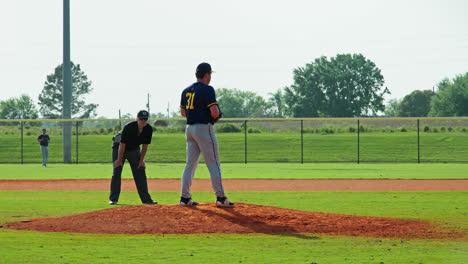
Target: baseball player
(128,147)
(198,104)
(44,140)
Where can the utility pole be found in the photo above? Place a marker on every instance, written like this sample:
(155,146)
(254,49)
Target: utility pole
(168,110)
(148,105)
(67,84)
(120,121)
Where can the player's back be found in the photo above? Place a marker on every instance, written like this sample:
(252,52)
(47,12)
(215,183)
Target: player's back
(197,100)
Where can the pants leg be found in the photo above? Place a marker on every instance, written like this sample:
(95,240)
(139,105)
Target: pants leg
(139,175)
(44,153)
(193,156)
(116,176)
(208,144)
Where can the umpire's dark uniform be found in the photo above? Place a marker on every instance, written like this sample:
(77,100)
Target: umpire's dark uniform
(132,139)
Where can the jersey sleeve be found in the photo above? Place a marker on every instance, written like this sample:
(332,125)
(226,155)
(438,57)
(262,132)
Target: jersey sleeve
(183,100)
(210,97)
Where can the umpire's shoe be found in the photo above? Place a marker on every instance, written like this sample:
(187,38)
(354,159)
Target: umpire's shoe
(112,202)
(223,202)
(187,202)
(150,202)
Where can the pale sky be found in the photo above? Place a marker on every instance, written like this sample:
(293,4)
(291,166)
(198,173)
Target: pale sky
(131,48)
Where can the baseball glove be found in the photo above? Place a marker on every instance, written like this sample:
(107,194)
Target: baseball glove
(219,116)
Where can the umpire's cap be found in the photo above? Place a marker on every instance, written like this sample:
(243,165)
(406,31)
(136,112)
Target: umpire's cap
(204,68)
(143,114)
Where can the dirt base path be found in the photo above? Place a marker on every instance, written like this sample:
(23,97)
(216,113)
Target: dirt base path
(244,185)
(241,219)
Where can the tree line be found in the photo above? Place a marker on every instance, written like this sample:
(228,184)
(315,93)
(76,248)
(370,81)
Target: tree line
(449,99)
(347,85)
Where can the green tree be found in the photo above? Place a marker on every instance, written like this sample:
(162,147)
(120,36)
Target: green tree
(390,108)
(158,115)
(276,103)
(50,99)
(129,116)
(347,85)
(451,98)
(417,103)
(22,107)
(235,103)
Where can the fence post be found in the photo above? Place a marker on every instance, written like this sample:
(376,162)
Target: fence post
(76,142)
(358,141)
(419,157)
(302,141)
(21,142)
(245,146)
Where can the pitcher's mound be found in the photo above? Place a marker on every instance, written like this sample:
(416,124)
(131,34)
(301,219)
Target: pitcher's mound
(243,218)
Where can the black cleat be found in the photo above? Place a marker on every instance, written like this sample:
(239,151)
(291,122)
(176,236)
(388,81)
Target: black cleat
(150,202)
(223,202)
(187,202)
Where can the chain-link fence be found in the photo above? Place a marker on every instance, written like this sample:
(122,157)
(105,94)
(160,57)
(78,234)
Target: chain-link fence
(305,140)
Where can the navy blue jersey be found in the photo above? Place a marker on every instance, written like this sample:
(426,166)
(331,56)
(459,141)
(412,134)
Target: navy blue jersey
(132,137)
(197,100)
(44,140)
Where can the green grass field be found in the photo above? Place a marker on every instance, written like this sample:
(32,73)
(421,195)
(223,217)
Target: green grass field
(244,171)
(446,209)
(263,147)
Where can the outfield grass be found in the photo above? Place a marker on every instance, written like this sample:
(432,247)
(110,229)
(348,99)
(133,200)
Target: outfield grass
(263,147)
(446,208)
(245,171)
(34,247)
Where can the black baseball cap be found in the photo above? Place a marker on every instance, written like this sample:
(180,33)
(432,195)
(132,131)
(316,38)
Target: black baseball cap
(204,68)
(143,114)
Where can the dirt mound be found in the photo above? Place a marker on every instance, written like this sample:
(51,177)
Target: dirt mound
(243,218)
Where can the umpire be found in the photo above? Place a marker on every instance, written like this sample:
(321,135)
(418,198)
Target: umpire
(198,104)
(132,136)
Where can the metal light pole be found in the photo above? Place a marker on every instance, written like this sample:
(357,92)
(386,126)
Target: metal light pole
(67,84)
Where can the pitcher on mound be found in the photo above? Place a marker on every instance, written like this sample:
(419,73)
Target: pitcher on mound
(198,104)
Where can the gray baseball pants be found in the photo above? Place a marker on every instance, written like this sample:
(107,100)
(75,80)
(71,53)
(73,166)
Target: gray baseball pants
(45,154)
(201,138)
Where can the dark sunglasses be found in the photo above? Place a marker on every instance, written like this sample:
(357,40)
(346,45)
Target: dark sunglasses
(143,118)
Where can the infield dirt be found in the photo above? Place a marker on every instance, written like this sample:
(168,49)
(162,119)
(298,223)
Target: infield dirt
(244,185)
